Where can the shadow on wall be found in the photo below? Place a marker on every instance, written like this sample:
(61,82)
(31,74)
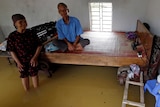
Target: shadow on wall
(1,35)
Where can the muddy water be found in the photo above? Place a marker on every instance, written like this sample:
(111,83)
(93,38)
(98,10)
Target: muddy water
(70,86)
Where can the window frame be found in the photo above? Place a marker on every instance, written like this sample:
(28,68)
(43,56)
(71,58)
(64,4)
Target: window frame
(100,17)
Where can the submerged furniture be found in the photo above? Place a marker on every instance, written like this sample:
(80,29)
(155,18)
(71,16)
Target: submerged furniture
(125,100)
(107,49)
(153,87)
(6,55)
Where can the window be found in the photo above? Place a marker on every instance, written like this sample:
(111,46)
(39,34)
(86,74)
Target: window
(100,16)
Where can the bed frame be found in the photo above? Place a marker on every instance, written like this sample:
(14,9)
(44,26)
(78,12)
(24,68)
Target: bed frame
(146,39)
(102,52)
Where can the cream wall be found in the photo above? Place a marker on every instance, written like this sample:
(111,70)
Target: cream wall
(125,12)
(153,16)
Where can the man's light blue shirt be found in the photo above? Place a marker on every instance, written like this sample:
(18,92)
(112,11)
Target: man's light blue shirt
(69,31)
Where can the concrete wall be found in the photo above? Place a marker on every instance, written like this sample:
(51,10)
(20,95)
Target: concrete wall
(39,11)
(2,37)
(125,12)
(153,16)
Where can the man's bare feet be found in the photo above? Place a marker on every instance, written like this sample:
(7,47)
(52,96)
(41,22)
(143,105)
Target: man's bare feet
(79,47)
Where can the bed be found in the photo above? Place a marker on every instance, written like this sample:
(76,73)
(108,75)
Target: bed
(107,49)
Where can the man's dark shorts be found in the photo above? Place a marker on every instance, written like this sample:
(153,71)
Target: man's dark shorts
(63,46)
(28,70)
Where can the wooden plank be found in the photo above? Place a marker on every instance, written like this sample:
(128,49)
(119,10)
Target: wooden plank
(126,89)
(141,88)
(146,38)
(133,103)
(91,59)
(125,95)
(135,83)
(141,94)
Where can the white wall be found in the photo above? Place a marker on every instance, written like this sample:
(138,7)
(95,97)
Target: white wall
(2,37)
(40,11)
(153,16)
(125,12)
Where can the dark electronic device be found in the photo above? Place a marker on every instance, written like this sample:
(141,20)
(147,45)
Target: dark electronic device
(45,31)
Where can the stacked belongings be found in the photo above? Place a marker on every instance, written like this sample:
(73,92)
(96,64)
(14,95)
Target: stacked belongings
(132,71)
(45,31)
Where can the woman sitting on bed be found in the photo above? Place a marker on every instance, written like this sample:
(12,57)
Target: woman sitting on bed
(69,30)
